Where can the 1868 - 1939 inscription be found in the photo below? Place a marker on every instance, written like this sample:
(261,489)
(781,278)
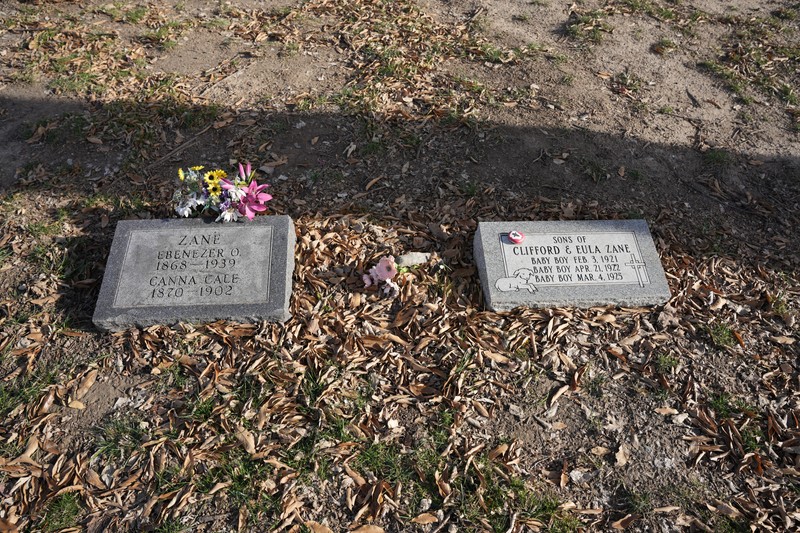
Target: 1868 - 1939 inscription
(189,270)
(581,263)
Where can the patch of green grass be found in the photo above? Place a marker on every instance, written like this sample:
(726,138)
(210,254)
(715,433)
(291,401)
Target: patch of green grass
(484,494)
(120,437)
(5,253)
(171,525)
(336,430)
(50,260)
(25,389)
(664,47)
(732,79)
(721,404)
(752,437)
(247,478)
(557,59)
(786,92)
(787,13)
(595,384)
(638,502)
(385,461)
(201,410)
(492,54)
(41,229)
(665,363)
(173,377)
(135,15)
(471,189)
(311,388)
(721,335)
(725,524)
(165,35)
(374,147)
(595,170)
(62,512)
(717,158)
(631,83)
(291,49)
(588,26)
(170,479)
(427,454)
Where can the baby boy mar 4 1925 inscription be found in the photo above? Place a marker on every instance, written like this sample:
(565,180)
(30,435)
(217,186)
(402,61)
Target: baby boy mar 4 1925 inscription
(575,259)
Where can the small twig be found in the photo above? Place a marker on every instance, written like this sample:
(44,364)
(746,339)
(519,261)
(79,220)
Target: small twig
(178,149)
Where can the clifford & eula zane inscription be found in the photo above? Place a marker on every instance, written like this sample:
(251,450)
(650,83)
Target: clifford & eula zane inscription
(167,271)
(580,263)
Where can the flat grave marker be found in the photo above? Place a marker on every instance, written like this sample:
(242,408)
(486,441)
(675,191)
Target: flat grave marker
(192,270)
(569,263)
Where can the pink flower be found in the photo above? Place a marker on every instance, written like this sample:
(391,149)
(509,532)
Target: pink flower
(384,270)
(253,200)
(244,174)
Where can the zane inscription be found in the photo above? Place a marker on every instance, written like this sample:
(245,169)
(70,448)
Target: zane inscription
(209,267)
(555,259)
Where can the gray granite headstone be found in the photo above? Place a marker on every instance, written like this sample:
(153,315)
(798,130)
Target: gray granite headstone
(192,270)
(569,263)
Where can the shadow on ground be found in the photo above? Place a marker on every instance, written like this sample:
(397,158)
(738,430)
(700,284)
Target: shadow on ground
(94,165)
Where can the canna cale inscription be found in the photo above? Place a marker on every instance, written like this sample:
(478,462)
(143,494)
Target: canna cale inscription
(569,263)
(168,271)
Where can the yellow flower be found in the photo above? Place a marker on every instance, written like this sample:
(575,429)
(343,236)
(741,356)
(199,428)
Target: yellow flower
(180,174)
(198,167)
(213,177)
(215,189)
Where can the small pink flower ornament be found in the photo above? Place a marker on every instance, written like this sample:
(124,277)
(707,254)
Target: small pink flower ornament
(383,272)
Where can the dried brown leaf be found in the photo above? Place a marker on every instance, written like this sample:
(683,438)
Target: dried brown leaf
(368,529)
(86,384)
(246,438)
(316,527)
(622,455)
(622,523)
(425,518)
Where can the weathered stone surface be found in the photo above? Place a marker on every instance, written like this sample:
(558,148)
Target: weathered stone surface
(168,271)
(569,263)
(412,259)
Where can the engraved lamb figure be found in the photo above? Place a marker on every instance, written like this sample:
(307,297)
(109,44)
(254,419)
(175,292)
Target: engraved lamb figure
(517,283)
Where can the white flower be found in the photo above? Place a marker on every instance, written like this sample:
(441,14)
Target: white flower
(229,215)
(235,194)
(192,201)
(183,210)
(391,289)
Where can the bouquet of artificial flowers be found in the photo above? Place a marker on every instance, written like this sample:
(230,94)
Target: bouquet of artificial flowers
(200,191)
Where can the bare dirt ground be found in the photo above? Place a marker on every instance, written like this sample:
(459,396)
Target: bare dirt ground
(388,127)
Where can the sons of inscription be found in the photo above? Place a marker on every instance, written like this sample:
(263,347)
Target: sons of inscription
(568,263)
(168,271)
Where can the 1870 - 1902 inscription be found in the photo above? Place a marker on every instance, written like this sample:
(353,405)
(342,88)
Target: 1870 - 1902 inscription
(583,263)
(189,270)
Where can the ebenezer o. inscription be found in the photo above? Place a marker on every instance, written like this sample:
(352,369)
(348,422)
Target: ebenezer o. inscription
(180,268)
(167,271)
(581,263)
